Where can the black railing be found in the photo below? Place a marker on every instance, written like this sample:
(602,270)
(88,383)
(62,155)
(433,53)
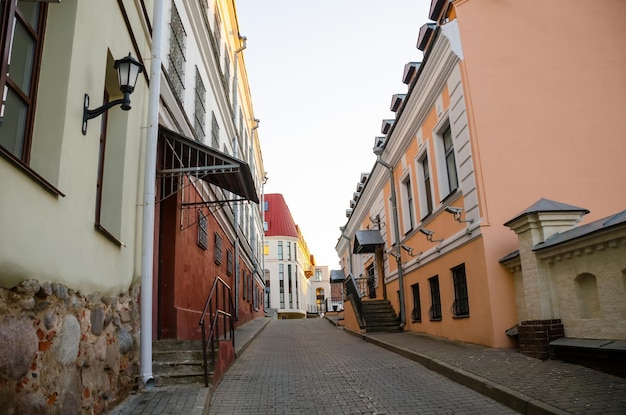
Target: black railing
(334,303)
(353,294)
(219,306)
(434,313)
(460,308)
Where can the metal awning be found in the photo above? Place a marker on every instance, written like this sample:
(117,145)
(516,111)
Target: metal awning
(337,275)
(182,155)
(366,241)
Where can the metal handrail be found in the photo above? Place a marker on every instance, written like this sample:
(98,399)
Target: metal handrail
(217,314)
(354,296)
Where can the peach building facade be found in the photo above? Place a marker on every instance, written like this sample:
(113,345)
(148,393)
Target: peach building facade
(501,112)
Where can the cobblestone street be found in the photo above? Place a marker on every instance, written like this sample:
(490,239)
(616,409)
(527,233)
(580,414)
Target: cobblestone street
(310,367)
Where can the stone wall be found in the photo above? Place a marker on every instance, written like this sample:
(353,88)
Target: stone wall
(64,352)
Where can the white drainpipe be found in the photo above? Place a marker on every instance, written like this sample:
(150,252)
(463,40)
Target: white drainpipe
(147,247)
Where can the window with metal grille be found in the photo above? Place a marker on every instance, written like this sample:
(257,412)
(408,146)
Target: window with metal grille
(215,132)
(178,39)
(245,286)
(460,306)
(227,73)
(416,313)
(229,262)
(435,299)
(200,110)
(22,27)
(202,231)
(217,31)
(218,249)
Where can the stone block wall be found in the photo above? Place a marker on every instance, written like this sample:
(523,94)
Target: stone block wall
(534,337)
(66,353)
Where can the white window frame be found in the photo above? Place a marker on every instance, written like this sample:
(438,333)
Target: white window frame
(421,190)
(408,209)
(441,163)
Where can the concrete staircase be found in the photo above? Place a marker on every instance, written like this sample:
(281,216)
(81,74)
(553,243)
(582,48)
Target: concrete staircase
(379,316)
(176,362)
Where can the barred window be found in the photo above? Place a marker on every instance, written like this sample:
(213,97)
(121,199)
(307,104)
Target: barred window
(416,313)
(177,53)
(215,131)
(200,110)
(435,298)
(229,262)
(217,31)
(460,306)
(218,249)
(202,231)
(227,74)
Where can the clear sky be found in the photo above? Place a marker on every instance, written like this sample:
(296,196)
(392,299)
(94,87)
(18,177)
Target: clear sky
(322,74)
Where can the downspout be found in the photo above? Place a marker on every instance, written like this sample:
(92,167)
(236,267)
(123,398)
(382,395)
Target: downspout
(147,246)
(396,231)
(235,152)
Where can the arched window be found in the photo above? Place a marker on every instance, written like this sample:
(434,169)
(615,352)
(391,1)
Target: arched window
(587,299)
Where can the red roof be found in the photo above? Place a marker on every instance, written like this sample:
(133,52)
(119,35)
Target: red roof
(278,217)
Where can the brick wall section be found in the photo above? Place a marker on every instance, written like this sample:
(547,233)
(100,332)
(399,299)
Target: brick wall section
(534,337)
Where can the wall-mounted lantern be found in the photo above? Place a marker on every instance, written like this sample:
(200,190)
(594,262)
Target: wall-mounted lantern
(128,69)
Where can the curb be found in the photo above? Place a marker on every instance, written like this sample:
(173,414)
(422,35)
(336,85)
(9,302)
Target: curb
(247,343)
(499,393)
(209,395)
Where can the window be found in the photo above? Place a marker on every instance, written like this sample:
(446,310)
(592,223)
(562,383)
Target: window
(267,289)
(435,299)
(407,207)
(288,251)
(453,180)
(280,250)
(218,248)
(281,284)
(425,189)
(177,53)
(217,31)
(21,43)
(460,306)
(227,73)
(202,231)
(244,292)
(200,110)
(290,286)
(229,262)
(416,313)
(297,290)
(371,281)
(318,275)
(215,131)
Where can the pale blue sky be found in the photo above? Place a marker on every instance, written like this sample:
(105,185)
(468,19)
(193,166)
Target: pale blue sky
(322,74)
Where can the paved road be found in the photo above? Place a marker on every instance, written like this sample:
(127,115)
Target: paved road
(310,367)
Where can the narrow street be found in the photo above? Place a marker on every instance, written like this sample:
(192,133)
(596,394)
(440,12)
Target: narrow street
(311,367)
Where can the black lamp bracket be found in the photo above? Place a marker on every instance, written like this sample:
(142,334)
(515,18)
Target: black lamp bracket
(89,114)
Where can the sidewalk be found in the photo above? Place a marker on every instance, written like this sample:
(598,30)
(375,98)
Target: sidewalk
(527,385)
(184,399)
